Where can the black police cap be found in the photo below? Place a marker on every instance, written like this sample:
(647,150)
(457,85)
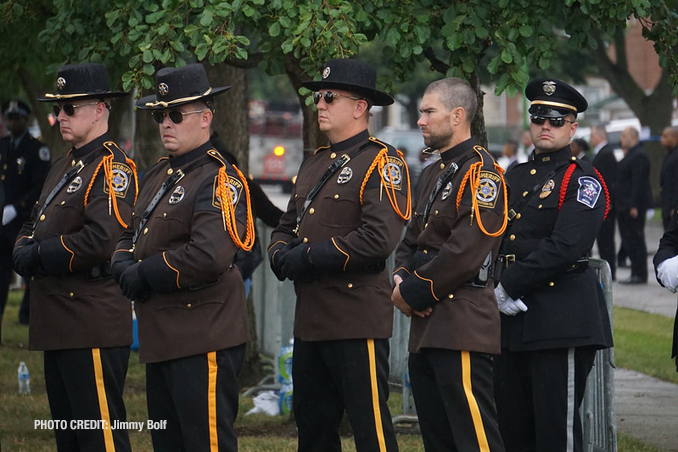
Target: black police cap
(355,76)
(552,98)
(15,107)
(179,86)
(82,81)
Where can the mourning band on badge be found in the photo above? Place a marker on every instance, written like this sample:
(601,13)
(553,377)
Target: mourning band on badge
(74,185)
(547,189)
(589,191)
(447,191)
(345,175)
(488,189)
(177,195)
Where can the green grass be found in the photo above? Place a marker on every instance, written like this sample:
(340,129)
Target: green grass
(642,343)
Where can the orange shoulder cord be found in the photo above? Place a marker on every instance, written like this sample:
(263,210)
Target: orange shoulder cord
(228,210)
(473,175)
(107,164)
(382,160)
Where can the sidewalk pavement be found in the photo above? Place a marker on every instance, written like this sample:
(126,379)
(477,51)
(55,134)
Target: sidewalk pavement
(646,408)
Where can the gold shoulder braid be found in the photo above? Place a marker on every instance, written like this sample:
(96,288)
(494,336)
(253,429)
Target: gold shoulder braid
(473,175)
(381,161)
(107,164)
(228,209)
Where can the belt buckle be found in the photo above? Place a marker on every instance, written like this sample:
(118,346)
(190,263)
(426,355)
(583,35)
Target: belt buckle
(509,259)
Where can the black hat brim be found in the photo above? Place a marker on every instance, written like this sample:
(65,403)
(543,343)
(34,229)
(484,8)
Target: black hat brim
(376,97)
(151,102)
(65,97)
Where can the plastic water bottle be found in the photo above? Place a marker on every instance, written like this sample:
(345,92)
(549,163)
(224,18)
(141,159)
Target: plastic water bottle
(285,398)
(24,379)
(285,362)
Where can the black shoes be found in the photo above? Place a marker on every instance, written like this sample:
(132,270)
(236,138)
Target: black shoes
(634,280)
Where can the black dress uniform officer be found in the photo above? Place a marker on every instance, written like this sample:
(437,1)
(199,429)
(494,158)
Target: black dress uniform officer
(176,261)
(78,315)
(443,276)
(553,312)
(666,270)
(24,163)
(344,218)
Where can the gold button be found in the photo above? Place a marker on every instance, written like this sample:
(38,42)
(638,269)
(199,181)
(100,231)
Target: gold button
(336,196)
(442,166)
(518,216)
(2,177)
(145,231)
(425,251)
(524,194)
(436,212)
(533,171)
(164,214)
(4,166)
(512,237)
(63,202)
(305,239)
(189,305)
(42,217)
(541,205)
(552,284)
(450,296)
(71,294)
(72,162)
(170,171)
(426,225)
(333,155)
(350,285)
(32,278)
(296,196)
(311,211)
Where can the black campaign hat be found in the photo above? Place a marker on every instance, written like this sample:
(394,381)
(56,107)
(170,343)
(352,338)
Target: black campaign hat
(179,86)
(351,75)
(15,107)
(553,98)
(81,81)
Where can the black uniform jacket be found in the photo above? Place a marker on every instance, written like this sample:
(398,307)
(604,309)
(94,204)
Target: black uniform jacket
(23,171)
(440,257)
(606,164)
(549,234)
(668,248)
(668,181)
(77,304)
(197,301)
(352,228)
(633,181)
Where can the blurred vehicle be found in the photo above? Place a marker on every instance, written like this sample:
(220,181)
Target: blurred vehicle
(276,143)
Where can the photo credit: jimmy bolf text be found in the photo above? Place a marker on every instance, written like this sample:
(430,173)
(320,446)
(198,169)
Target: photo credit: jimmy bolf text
(97,424)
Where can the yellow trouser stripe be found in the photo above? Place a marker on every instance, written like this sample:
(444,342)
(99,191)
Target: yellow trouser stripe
(103,400)
(375,395)
(472,403)
(212,399)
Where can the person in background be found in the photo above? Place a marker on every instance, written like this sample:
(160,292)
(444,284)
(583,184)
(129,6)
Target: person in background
(668,177)
(633,199)
(526,141)
(606,164)
(666,271)
(78,315)
(553,312)
(510,153)
(24,164)
(580,148)
(346,215)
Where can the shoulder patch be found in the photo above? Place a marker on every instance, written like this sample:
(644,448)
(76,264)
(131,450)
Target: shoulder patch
(393,172)
(44,154)
(488,189)
(234,189)
(122,175)
(589,191)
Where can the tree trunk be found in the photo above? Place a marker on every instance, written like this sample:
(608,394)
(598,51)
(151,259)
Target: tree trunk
(50,135)
(478,130)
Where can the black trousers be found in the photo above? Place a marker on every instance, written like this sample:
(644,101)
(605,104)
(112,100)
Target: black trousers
(193,401)
(632,231)
(87,385)
(454,395)
(330,376)
(538,397)
(605,240)
(6,270)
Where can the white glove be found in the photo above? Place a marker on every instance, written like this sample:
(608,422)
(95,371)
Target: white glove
(8,214)
(506,304)
(667,272)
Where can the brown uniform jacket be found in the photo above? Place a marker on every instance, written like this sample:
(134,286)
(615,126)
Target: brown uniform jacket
(440,260)
(352,228)
(77,304)
(197,303)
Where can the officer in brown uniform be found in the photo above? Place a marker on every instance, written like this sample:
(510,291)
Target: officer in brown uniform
(554,316)
(443,277)
(176,261)
(78,315)
(345,217)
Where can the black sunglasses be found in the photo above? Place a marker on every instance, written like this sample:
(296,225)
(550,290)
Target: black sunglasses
(555,122)
(329,97)
(69,109)
(176,116)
